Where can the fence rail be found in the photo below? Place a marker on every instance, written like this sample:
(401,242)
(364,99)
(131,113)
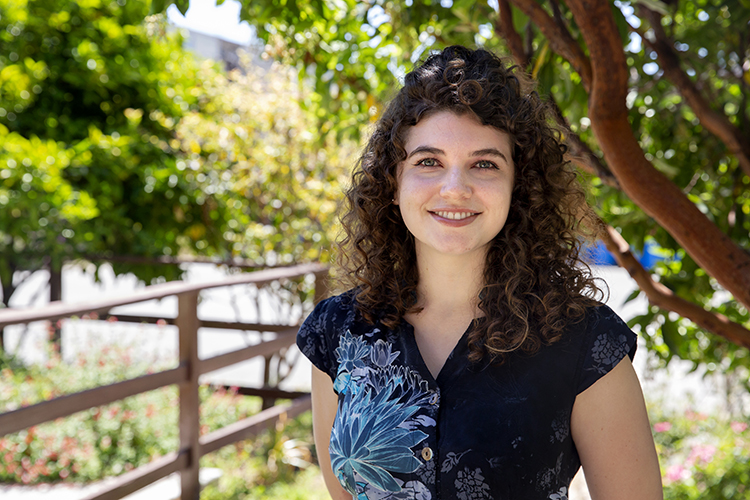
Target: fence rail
(190,367)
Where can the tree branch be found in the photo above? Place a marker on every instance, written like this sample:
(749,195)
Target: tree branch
(6,280)
(745,84)
(529,40)
(584,158)
(578,151)
(504,27)
(651,190)
(557,14)
(661,296)
(715,122)
(559,37)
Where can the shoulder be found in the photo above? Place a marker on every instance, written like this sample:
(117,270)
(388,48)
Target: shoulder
(330,315)
(603,339)
(318,336)
(334,311)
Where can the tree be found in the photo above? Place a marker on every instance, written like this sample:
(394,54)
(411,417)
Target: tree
(114,141)
(88,102)
(656,98)
(261,144)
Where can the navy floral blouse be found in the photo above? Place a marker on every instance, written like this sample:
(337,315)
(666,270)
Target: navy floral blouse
(477,431)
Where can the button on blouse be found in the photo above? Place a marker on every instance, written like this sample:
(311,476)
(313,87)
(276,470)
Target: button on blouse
(478,431)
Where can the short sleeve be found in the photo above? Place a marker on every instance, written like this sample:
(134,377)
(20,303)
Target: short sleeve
(608,340)
(316,337)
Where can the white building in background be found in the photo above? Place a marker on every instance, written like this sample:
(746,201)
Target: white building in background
(212,47)
(216,32)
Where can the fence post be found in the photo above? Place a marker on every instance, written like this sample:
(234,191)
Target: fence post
(55,294)
(187,323)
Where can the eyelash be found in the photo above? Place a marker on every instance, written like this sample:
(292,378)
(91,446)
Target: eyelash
(490,165)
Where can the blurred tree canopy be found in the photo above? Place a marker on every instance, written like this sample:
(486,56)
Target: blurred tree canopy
(656,97)
(115,141)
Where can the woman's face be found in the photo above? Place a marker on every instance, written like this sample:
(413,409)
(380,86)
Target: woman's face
(455,184)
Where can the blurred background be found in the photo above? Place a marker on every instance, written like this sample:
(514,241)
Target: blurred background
(148,141)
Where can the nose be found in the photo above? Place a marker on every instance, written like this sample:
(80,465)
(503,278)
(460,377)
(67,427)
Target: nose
(455,184)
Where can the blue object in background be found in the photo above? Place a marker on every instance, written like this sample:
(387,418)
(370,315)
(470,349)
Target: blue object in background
(652,253)
(598,255)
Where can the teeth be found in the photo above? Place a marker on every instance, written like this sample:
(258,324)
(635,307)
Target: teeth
(455,215)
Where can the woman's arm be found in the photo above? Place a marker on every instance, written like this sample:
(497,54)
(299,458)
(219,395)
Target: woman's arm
(324,406)
(612,433)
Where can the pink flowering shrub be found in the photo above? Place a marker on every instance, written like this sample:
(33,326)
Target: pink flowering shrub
(738,426)
(662,426)
(703,457)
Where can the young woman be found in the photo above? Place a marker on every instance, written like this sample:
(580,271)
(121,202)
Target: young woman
(470,359)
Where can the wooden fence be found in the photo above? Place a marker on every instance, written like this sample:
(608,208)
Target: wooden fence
(192,445)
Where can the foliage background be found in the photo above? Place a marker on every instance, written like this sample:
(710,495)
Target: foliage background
(115,141)
(359,52)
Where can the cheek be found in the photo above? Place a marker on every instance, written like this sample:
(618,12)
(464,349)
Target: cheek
(413,188)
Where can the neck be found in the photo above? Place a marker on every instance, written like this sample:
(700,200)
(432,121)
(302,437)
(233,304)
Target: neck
(450,283)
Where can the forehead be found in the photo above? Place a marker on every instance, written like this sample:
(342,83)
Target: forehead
(455,131)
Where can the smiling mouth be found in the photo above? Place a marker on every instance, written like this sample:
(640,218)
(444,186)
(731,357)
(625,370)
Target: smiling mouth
(455,215)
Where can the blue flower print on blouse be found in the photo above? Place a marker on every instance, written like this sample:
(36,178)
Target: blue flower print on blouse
(351,353)
(411,490)
(381,354)
(375,427)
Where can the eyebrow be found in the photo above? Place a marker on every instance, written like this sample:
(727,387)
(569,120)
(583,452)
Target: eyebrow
(438,151)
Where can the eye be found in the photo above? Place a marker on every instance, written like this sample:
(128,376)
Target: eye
(428,162)
(486,164)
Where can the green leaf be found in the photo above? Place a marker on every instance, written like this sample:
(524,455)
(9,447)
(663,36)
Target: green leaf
(671,337)
(159,6)
(184,5)
(634,295)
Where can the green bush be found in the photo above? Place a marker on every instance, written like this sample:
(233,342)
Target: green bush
(277,464)
(703,457)
(115,140)
(91,444)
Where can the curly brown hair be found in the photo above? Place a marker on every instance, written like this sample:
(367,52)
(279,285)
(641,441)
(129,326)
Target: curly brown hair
(535,283)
